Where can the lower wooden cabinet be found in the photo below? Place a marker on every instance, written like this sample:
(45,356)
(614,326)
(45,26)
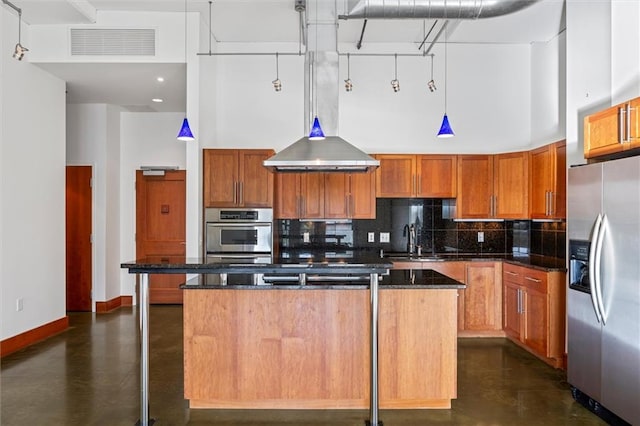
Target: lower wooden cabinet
(480,304)
(534,311)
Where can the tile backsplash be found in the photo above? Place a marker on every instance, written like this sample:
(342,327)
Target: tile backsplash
(434,233)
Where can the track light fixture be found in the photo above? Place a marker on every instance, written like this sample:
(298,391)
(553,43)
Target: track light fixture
(277,84)
(20,50)
(395,84)
(348,86)
(431,84)
(445,128)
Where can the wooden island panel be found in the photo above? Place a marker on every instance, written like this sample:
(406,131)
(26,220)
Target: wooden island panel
(418,348)
(276,348)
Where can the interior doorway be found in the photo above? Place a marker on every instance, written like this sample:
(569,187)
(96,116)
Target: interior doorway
(161,227)
(78,214)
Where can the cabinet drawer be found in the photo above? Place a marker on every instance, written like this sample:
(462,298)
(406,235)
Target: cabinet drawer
(535,280)
(513,274)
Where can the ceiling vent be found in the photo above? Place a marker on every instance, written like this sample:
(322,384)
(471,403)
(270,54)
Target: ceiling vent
(113,42)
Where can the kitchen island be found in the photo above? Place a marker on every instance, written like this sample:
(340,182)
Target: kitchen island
(310,346)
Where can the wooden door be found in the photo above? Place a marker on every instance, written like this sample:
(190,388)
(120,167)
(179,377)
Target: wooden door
(287,196)
(221,176)
(483,297)
(475,187)
(437,176)
(312,195)
(511,185)
(362,195)
(540,182)
(78,238)
(559,189)
(336,195)
(161,227)
(396,176)
(536,321)
(602,132)
(512,315)
(256,181)
(634,123)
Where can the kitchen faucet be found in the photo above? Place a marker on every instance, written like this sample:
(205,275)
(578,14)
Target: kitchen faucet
(409,231)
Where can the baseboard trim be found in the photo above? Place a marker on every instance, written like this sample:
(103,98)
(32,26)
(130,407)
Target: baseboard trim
(115,303)
(22,340)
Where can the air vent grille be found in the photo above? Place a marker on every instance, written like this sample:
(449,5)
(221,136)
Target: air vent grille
(113,42)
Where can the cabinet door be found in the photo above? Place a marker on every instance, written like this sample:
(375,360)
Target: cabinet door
(362,196)
(256,182)
(559,190)
(220,177)
(436,176)
(511,185)
(336,195)
(287,196)
(483,297)
(604,131)
(396,176)
(312,195)
(547,185)
(475,187)
(536,321)
(634,124)
(512,315)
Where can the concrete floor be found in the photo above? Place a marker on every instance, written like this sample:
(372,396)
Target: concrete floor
(89,375)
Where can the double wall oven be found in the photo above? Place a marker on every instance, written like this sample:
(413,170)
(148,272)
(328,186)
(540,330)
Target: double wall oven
(236,235)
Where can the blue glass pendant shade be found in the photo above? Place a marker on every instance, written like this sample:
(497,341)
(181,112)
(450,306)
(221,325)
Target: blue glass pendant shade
(445,128)
(316,133)
(185,132)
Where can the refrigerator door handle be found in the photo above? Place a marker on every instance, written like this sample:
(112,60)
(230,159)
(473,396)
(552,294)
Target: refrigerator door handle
(598,264)
(592,266)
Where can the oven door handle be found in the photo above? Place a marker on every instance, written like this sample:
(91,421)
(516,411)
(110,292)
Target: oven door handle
(237,256)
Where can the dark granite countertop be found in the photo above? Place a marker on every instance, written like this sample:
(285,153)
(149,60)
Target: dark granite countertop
(544,263)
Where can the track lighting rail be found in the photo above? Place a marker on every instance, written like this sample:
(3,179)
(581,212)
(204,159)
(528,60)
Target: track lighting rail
(13,6)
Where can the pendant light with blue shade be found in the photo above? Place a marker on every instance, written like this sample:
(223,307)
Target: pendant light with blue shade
(445,128)
(185,133)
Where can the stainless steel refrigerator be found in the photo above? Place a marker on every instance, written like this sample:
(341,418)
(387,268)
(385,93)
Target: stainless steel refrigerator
(603,299)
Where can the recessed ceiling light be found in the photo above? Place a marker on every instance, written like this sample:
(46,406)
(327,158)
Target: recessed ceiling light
(157,100)
(160,79)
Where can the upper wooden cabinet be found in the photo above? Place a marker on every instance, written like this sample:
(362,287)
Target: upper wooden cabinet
(613,130)
(325,196)
(547,181)
(237,178)
(409,175)
(492,186)
(349,195)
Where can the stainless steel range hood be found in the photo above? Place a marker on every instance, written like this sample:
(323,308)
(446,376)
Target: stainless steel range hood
(322,85)
(333,154)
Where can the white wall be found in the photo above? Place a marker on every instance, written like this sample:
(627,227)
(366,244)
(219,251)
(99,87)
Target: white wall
(32,189)
(589,29)
(488,98)
(147,139)
(625,49)
(548,91)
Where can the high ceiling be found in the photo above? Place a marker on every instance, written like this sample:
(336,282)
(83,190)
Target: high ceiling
(255,21)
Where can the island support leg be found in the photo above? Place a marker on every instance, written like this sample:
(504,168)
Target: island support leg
(373,406)
(144,352)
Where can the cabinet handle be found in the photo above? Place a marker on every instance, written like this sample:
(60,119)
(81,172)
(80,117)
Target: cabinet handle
(513,274)
(519,301)
(621,120)
(628,138)
(419,185)
(241,193)
(552,203)
(235,192)
(413,184)
(535,280)
(495,205)
(347,203)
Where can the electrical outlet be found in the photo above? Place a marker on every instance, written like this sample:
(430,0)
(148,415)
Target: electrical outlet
(19,304)
(384,237)
(481,237)
(305,237)
(371,237)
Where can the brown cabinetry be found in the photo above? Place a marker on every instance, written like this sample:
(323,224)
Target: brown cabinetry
(480,304)
(325,196)
(409,175)
(492,186)
(534,311)
(613,130)
(547,188)
(237,178)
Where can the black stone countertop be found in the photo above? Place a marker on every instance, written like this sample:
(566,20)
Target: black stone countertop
(543,263)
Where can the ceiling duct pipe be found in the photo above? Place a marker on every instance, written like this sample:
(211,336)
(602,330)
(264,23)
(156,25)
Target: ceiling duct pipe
(433,9)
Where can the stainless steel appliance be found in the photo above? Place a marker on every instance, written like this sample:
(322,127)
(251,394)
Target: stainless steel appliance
(603,298)
(242,236)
